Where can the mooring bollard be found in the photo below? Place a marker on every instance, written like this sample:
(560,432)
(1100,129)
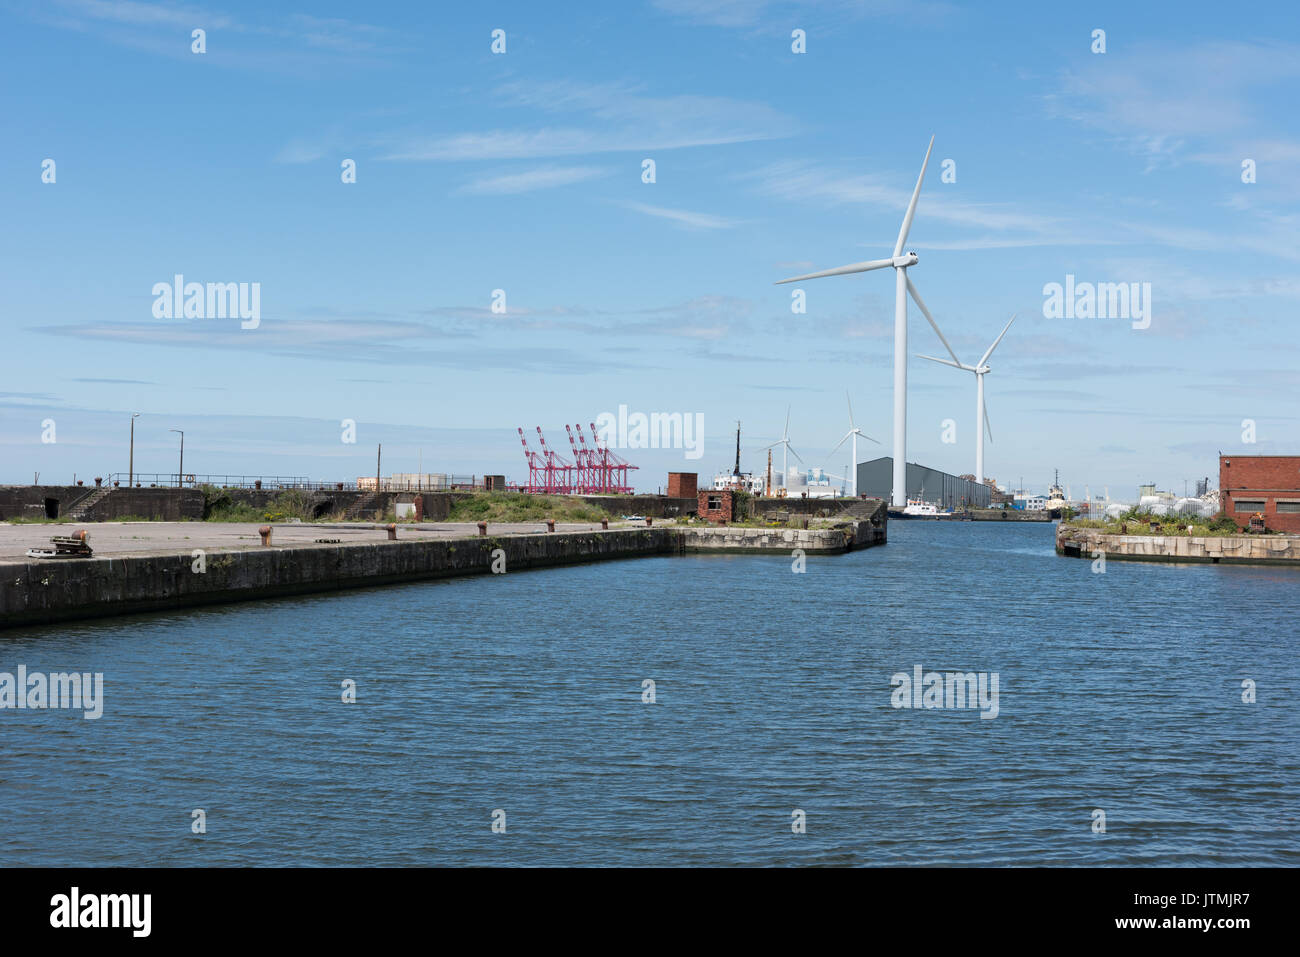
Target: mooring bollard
(604,523)
(649,521)
(550,524)
(392,532)
(482,529)
(265,532)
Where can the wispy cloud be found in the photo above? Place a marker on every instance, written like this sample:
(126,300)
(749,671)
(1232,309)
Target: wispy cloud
(264,41)
(803,181)
(607,118)
(684,217)
(146,14)
(1169,104)
(531,180)
(767,14)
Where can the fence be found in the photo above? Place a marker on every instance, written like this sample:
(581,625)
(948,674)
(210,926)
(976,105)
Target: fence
(432,483)
(190,480)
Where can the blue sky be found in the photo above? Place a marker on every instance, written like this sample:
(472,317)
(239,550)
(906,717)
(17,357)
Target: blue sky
(522,171)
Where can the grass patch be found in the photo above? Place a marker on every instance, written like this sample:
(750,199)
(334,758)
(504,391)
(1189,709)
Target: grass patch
(521,507)
(218,506)
(1134,522)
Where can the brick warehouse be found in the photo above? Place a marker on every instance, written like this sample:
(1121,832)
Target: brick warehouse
(1261,483)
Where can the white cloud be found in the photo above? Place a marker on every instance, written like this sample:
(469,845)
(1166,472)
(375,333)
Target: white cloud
(533,179)
(614,118)
(683,217)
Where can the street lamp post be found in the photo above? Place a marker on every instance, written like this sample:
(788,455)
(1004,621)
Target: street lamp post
(130,468)
(180,476)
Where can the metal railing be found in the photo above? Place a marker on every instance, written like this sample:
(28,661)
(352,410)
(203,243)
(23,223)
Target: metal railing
(190,480)
(434,483)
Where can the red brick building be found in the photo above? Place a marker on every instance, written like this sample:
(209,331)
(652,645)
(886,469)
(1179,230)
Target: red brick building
(716,505)
(1261,483)
(683,484)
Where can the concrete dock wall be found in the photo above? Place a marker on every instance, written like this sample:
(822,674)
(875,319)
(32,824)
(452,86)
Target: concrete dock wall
(1232,550)
(50,591)
(843,538)
(29,501)
(1006,515)
(164,577)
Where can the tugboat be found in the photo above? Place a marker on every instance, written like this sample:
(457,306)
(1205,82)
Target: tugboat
(919,508)
(1056,503)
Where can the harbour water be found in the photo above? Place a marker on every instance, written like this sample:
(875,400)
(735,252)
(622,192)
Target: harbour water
(1119,692)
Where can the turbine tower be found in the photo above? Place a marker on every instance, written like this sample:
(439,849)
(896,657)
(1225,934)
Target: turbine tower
(786,452)
(980,369)
(853,434)
(900,262)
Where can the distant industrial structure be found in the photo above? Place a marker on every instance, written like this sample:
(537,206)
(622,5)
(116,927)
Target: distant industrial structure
(595,469)
(875,480)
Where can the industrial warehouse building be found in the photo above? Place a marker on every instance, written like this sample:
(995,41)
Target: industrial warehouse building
(1269,484)
(876,480)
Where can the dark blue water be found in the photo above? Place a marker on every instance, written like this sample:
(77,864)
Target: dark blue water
(1119,692)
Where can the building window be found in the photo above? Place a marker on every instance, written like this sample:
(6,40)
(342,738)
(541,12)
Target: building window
(1248,505)
(715,503)
(1290,508)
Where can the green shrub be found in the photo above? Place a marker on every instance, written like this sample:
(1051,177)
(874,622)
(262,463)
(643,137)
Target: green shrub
(523,507)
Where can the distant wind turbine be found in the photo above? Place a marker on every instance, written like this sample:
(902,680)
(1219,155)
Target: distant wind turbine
(981,413)
(785,448)
(853,434)
(900,261)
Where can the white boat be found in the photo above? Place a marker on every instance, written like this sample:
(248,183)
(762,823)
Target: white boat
(918,508)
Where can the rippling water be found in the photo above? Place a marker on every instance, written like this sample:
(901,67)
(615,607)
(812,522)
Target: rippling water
(1119,692)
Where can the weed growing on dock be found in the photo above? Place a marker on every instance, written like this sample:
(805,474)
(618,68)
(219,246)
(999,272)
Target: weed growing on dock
(518,507)
(1134,522)
(218,506)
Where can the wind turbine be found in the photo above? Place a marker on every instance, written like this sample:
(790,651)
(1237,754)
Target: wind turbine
(853,434)
(900,261)
(786,452)
(981,413)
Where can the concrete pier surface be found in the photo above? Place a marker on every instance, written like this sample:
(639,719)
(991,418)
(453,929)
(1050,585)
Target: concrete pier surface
(110,539)
(158,566)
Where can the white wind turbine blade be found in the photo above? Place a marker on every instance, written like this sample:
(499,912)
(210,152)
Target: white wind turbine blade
(946,362)
(987,428)
(916,297)
(793,452)
(842,270)
(911,207)
(786,434)
(985,357)
(865,436)
(850,401)
(839,443)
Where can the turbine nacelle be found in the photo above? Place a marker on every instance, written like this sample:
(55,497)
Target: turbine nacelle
(905,260)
